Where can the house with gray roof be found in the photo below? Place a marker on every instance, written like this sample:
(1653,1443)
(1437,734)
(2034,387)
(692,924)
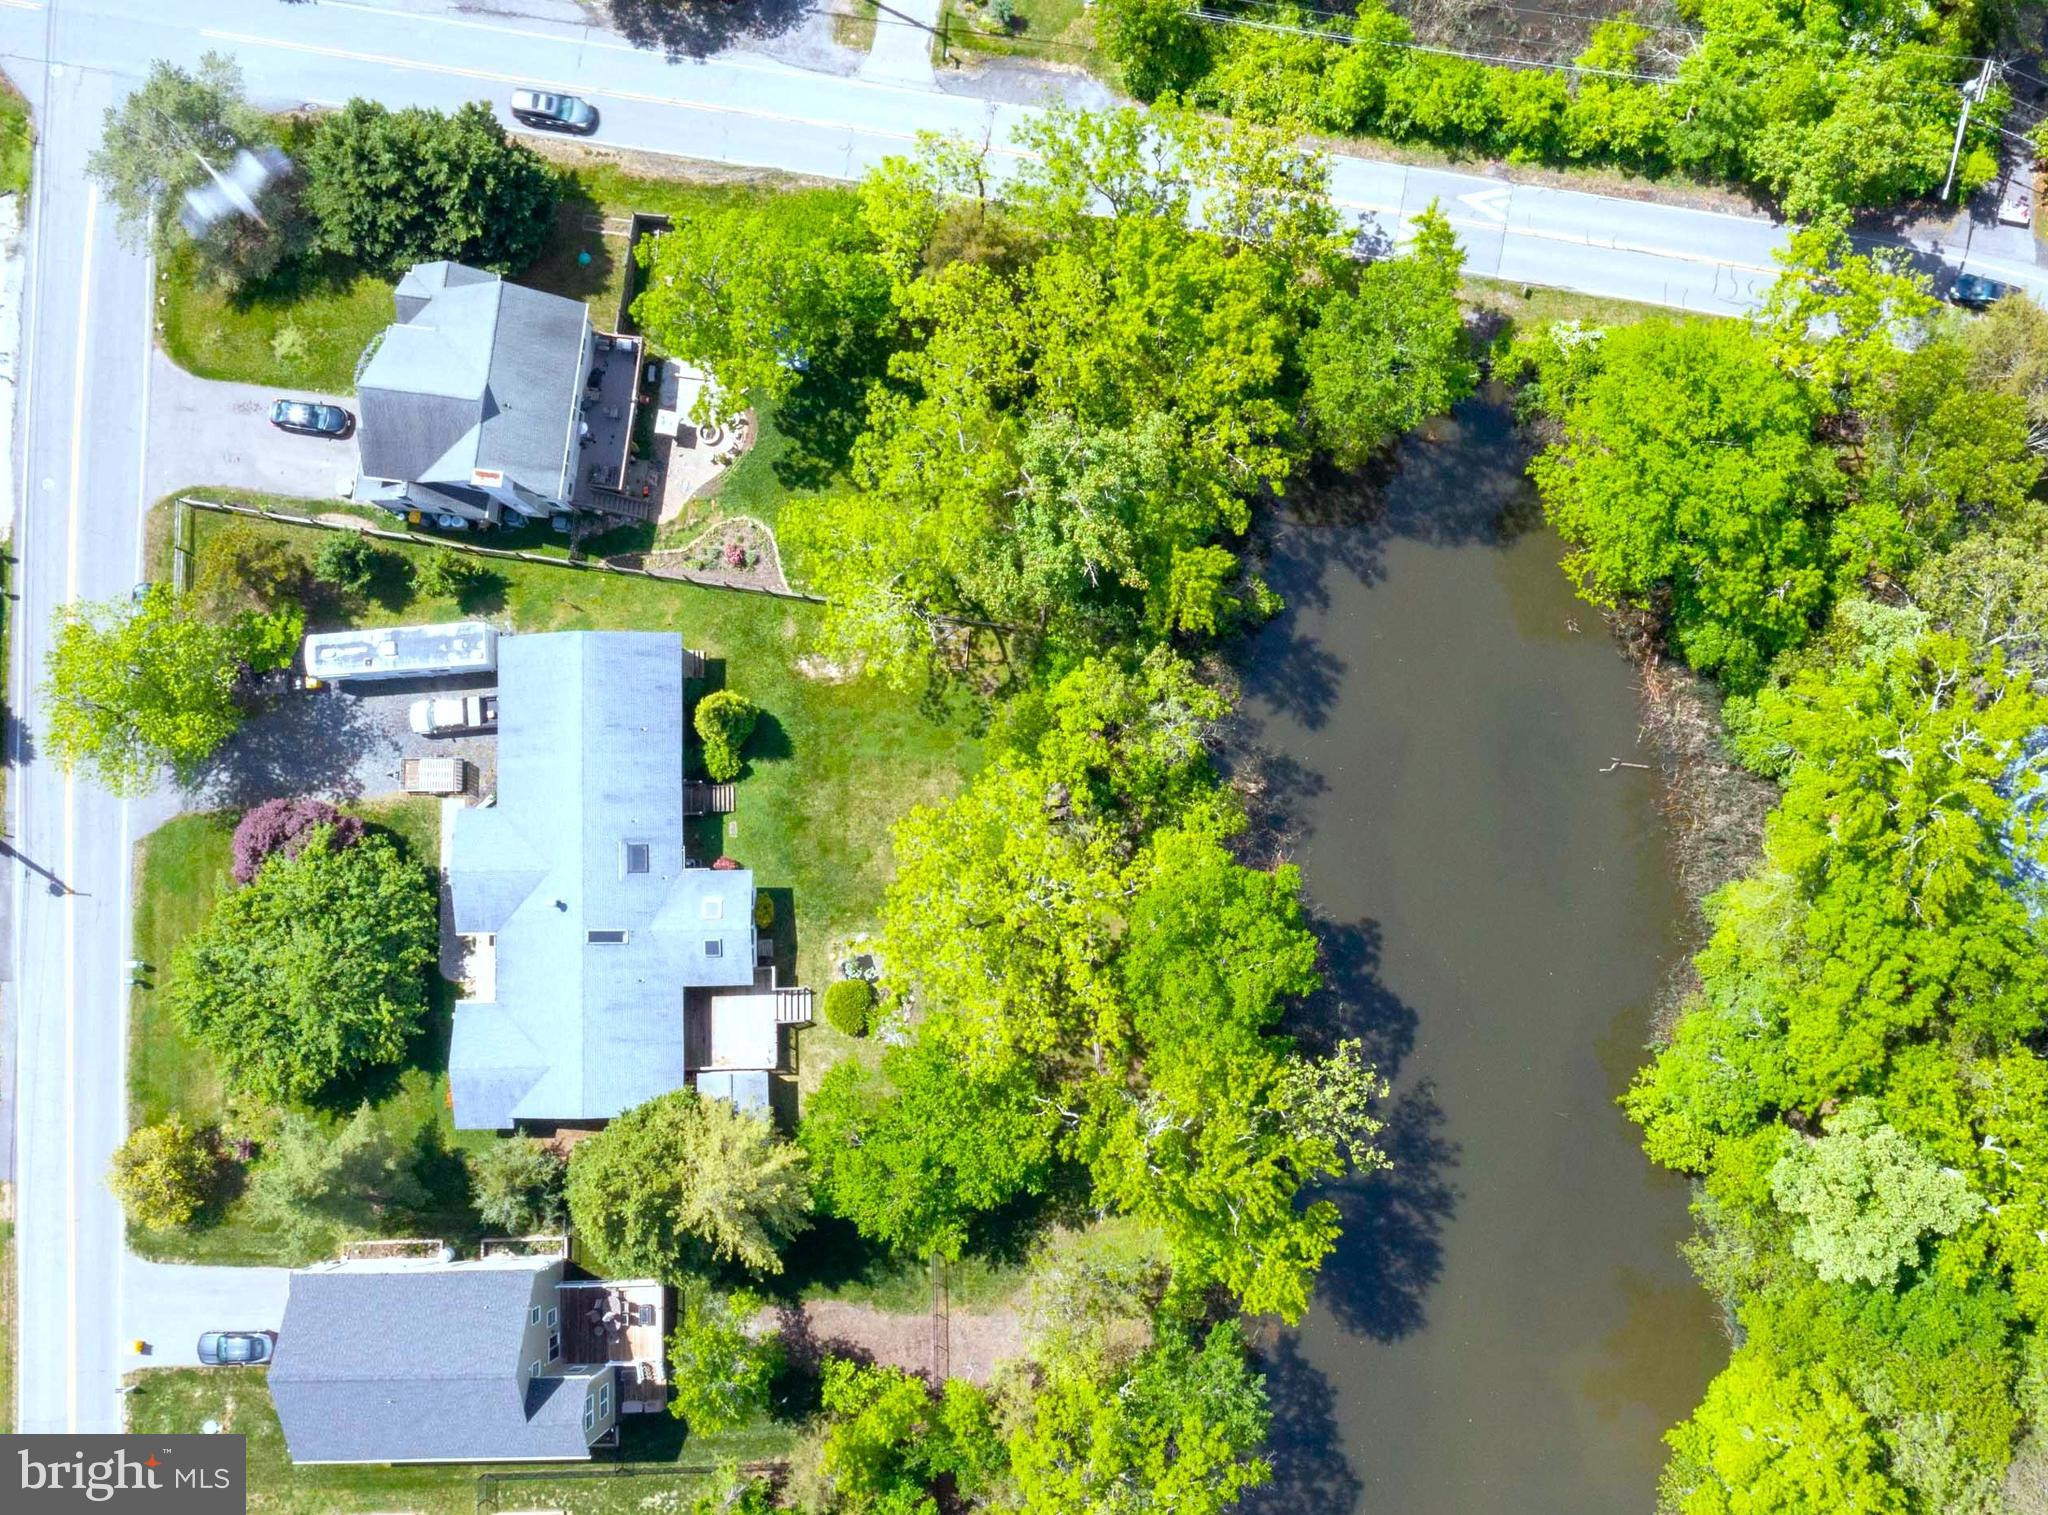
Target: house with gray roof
(497,1360)
(471,405)
(595,941)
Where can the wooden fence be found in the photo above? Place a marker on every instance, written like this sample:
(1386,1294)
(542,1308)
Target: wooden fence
(181,551)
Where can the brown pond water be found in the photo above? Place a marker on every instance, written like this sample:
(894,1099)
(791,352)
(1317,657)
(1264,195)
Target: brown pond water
(1507,1326)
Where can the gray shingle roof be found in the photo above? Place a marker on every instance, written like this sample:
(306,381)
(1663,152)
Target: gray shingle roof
(475,373)
(416,1364)
(590,758)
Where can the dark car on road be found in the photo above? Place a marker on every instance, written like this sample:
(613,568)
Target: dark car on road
(234,1349)
(1976,291)
(310,419)
(552,112)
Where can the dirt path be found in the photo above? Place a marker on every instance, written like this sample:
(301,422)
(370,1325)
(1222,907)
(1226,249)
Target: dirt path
(974,1343)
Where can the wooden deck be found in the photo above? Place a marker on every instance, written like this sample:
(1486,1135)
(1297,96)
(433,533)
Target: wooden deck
(637,1343)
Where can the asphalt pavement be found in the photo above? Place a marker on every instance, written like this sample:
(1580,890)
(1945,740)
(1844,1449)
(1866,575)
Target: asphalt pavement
(84,475)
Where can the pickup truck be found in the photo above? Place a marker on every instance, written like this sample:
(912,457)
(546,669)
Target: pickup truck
(453,714)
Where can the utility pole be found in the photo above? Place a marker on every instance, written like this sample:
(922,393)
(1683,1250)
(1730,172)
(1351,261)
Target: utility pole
(1972,93)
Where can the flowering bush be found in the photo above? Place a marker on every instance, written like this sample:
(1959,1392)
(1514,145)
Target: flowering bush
(281,826)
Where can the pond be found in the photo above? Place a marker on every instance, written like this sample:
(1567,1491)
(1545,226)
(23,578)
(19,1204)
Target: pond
(1508,1325)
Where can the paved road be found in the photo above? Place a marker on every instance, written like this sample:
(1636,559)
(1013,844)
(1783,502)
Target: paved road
(202,432)
(84,476)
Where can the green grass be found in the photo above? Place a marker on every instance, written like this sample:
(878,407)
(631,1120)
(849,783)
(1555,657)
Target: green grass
(1058,31)
(218,335)
(853,24)
(1527,306)
(17,141)
(7,1326)
(665,1463)
(830,769)
(182,868)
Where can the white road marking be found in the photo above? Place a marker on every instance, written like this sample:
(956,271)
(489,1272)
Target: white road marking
(1492,204)
(77,508)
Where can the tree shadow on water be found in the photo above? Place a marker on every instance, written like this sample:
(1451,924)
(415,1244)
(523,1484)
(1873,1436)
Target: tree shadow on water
(1311,1474)
(1377,1282)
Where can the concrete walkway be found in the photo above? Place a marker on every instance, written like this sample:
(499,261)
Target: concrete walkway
(205,432)
(169,1305)
(902,51)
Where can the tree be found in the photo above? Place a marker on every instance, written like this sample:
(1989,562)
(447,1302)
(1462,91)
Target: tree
(913,1153)
(1157,47)
(723,721)
(887,1441)
(1178,1429)
(1792,1443)
(159,140)
(516,1184)
(283,825)
(681,1184)
(349,561)
(314,971)
(164,1173)
(388,189)
(761,292)
(134,687)
(314,1182)
(1866,1197)
(1712,503)
(719,1368)
(1991,589)
(1386,357)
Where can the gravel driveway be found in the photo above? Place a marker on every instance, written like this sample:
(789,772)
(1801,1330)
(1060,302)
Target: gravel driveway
(202,432)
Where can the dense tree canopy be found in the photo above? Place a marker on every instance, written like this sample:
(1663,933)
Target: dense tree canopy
(388,189)
(159,140)
(683,1185)
(314,971)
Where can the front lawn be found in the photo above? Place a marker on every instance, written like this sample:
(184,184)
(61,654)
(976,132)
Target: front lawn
(658,1467)
(1057,31)
(182,868)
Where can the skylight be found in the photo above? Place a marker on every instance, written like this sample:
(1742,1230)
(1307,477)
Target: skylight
(605,938)
(639,859)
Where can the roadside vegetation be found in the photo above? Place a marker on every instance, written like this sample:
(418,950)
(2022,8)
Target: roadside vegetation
(17,143)
(1833,510)
(1829,106)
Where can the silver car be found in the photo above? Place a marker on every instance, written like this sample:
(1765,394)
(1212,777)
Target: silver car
(552,112)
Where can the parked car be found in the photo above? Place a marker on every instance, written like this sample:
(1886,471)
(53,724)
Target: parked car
(310,419)
(552,112)
(232,1349)
(1976,291)
(453,714)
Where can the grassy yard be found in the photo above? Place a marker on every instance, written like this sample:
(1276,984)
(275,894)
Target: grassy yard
(17,141)
(1525,307)
(1057,31)
(182,868)
(664,1466)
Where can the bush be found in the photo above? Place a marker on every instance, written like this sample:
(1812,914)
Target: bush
(724,721)
(242,567)
(764,912)
(516,1184)
(313,972)
(721,1373)
(447,574)
(847,1004)
(164,1173)
(349,561)
(283,826)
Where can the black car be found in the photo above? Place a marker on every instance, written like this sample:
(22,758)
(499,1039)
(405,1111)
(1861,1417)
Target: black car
(310,419)
(1976,291)
(234,1349)
(552,112)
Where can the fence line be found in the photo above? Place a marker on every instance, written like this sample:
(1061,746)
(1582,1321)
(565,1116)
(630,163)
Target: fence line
(587,565)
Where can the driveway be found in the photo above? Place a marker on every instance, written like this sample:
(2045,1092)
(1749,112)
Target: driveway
(168,1305)
(204,432)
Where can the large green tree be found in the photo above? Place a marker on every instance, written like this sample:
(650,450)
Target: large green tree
(315,1184)
(137,687)
(159,140)
(682,1185)
(388,189)
(314,971)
